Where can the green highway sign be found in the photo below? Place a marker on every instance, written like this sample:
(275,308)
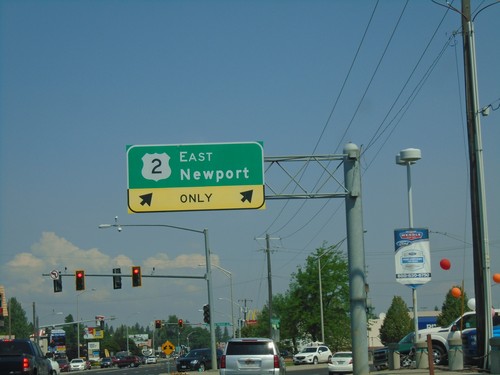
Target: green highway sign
(189,177)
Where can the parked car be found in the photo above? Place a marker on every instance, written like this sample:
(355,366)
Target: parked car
(107,362)
(313,355)
(79,364)
(340,363)
(252,356)
(197,360)
(63,364)
(151,360)
(405,350)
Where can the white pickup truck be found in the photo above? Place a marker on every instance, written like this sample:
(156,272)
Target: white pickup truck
(441,335)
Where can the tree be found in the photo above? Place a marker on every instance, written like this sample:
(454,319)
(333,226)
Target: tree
(19,326)
(304,291)
(397,323)
(452,308)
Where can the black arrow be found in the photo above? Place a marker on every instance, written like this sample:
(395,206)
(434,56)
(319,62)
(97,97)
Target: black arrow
(247,196)
(146,199)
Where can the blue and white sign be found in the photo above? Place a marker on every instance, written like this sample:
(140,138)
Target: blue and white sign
(413,259)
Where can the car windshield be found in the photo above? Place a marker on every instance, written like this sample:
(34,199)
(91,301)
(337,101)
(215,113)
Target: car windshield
(407,338)
(76,360)
(309,350)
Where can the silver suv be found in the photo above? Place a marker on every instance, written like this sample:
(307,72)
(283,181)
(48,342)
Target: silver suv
(252,356)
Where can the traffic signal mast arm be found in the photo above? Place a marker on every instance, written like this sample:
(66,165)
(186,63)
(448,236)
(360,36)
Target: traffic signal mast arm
(202,277)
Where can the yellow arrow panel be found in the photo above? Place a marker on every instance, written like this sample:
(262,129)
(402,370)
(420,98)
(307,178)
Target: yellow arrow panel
(196,198)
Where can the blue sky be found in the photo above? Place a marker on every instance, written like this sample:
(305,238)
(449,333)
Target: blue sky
(81,80)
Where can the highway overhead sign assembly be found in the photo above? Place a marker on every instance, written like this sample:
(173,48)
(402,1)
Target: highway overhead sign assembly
(191,177)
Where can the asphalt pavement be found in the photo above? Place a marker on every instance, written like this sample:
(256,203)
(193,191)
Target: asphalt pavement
(441,370)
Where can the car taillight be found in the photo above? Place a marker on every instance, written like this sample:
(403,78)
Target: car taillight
(222,361)
(276,361)
(26,364)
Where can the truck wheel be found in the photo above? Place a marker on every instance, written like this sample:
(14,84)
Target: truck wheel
(439,355)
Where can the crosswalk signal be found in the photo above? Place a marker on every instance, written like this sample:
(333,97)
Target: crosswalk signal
(80,279)
(206,313)
(117,280)
(136,276)
(158,323)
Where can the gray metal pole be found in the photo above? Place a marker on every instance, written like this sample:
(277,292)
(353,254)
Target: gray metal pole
(210,300)
(321,302)
(270,286)
(356,257)
(480,240)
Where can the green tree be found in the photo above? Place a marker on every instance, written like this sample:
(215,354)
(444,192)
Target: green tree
(16,323)
(397,323)
(452,308)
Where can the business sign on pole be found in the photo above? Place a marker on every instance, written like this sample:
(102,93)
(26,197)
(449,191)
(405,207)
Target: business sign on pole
(190,177)
(412,258)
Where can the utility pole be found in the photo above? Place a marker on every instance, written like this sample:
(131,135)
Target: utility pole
(480,246)
(269,281)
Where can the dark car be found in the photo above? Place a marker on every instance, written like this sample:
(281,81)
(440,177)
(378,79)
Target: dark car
(128,361)
(63,364)
(107,362)
(197,360)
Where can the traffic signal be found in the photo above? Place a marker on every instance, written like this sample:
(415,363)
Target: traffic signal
(181,323)
(158,323)
(117,280)
(206,313)
(101,324)
(80,279)
(136,276)
(58,285)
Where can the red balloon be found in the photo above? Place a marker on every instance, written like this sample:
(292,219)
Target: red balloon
(496,277)
(456,292)
(445,264)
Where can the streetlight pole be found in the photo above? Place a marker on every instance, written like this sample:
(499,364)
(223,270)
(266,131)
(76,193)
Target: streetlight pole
(230,276)
(408,157)
(208,269)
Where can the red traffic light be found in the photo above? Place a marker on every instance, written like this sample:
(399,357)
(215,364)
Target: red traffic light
(158,323)
(80,279)
(181,323)
(136,276)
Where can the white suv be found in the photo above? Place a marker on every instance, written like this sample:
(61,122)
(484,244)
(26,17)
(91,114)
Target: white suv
(313,354)
(252,356)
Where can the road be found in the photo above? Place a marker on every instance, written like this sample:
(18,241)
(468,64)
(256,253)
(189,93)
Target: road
(163,368)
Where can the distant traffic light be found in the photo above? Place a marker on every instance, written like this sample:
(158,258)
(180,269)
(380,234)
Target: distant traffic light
(158,323)
(80,279)
(58,285)
(206,313)
(181,323)
(136,276)
(117,280)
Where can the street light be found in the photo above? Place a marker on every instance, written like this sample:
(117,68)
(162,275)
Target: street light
(78,319)
(241,309)
(119,227)
(407,157)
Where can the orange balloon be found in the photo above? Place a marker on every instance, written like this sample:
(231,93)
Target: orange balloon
(456,292)
(496,277)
